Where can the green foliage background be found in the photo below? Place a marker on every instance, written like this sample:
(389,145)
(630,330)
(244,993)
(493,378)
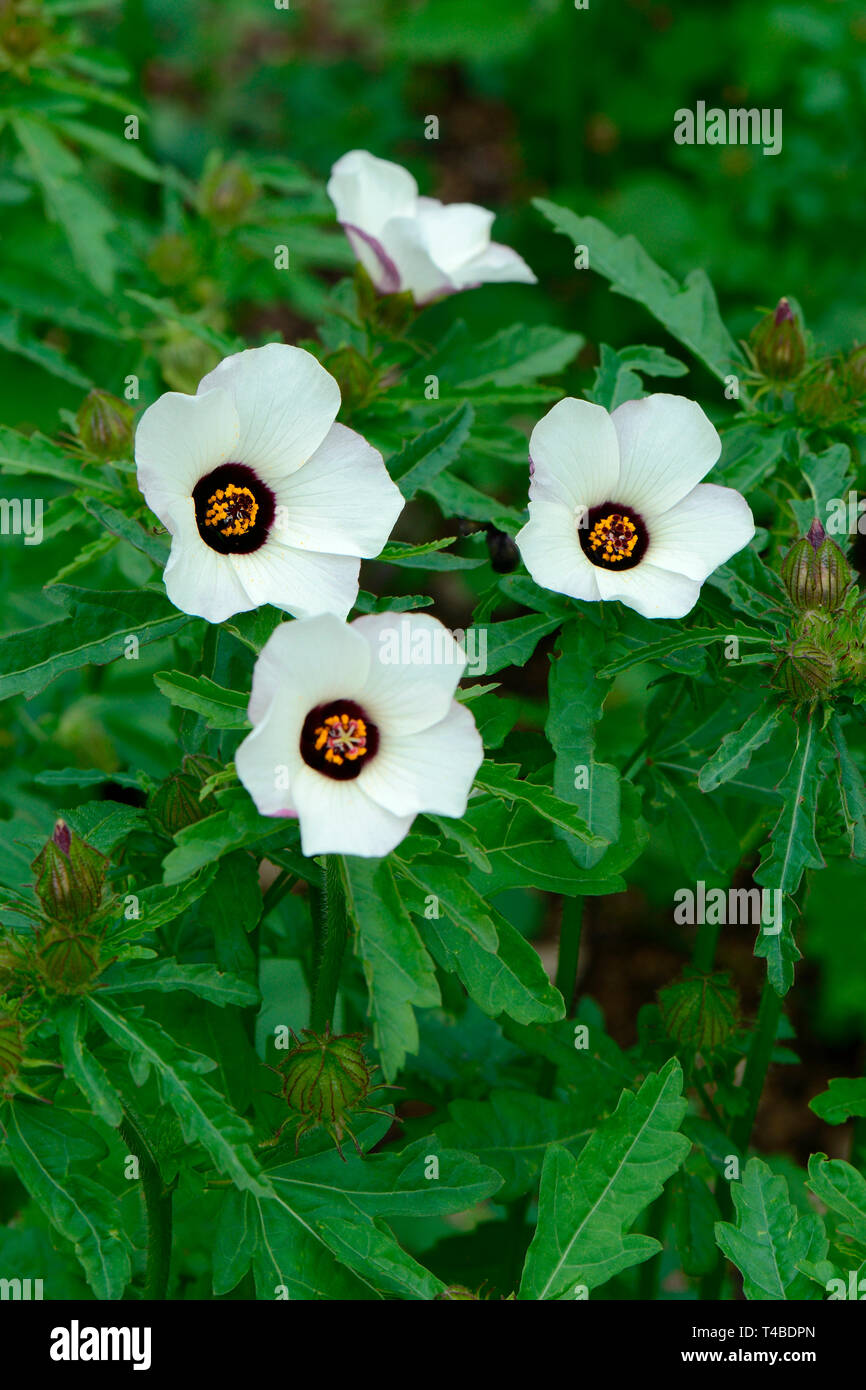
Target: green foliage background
(115,263)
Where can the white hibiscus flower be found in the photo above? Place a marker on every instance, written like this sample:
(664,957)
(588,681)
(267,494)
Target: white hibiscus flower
(405,242)
(357,731)
(266,499)
(617,509)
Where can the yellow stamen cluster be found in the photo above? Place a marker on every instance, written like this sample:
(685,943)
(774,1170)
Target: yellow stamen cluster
(233,504)
(615,535)
(343,738)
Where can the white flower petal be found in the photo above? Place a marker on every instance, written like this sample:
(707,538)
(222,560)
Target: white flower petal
(406,245)
(269,758)
(454,233)
(496,264)
(415,665)
(372,255)
(701,532)
(652,592)
(179,440)
(316,660)
(666,445)
(552,552)
(339,818)
(367,192)
(341,501)
(300,582)
(428,771)
(197,579)
(575,455)
(286,404)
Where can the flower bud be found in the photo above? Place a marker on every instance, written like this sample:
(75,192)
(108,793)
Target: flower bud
(458,1293)
(68,958)
(324,1079)
(176,802)
(779,345)
(504,555)
(355,377)
(819,399)
(105,425)
(173,259)
(70,875)
(815,572)
(700,1011)
(226,193)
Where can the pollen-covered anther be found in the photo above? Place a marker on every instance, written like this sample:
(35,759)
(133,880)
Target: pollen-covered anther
(236,506)
(341,737)
(615,536)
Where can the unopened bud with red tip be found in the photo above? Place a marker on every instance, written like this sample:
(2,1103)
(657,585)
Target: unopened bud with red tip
(70,875)
(779,345)
(815,572)
(105,425)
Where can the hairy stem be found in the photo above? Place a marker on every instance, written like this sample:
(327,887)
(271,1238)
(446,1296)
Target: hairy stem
(760,1052)
(330,926)
(158,1210)
(569,949)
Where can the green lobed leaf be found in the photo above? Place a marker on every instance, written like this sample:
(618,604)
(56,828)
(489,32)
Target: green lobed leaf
(425,457)
(513,1130)
(397,968)
(844,1097)
(223,709)
(588,1204)
(736,748)
(771,1237)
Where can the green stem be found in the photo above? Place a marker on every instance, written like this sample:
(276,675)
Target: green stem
(566,975)
(760,1052)
(330,927)
(569,949)
(158,1210)
(704,952)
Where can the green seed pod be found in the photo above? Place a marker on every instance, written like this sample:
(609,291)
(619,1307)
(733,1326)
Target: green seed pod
(13,963)
(70,876)
(226,193)
(819,399)
(105,425)
(815,572)
(700,1011)
(175,804)
(173,259)
(779,345)
(806,672)
(68,958)
(325,1078)
(457,1293)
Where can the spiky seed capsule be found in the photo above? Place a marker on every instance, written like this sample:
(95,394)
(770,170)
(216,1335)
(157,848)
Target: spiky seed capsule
(815,572)
(806,672)
(105,425)
(326,1077)
(70,875)
(176,804)
(779,345)
(700,1011)
(819,399)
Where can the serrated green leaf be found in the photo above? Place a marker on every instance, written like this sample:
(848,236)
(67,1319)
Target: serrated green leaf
(205,1115)
(736,748)
(223,709)
(688,311)
(203,979)
(83,1068)
(770,1237)
(844,1097)
(421,460)
(588,1204)
(513,1130)
(397,968)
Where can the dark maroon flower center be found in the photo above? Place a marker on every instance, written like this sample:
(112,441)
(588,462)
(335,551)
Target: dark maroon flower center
(339,739)
(234,509)
(613,536)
